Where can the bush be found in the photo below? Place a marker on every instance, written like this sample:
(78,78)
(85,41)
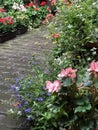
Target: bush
(76,26)
(69,102)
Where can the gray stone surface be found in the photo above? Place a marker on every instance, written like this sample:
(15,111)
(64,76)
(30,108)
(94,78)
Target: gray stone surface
(14,63)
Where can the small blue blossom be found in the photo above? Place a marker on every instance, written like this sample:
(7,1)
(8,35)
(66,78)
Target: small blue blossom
(39,99)
(18,97)
(27,110)
(13,87)
(48,94)
(25,102)
(16,80)
(29,118)
(20,106)
(47,71)
(43,88)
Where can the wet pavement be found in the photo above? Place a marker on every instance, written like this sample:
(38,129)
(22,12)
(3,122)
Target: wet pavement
(15,56)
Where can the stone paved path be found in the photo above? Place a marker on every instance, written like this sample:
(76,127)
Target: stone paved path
(14,62)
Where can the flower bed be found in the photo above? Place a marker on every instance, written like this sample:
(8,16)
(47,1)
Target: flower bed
(63,98)
(69,102)
(17,14)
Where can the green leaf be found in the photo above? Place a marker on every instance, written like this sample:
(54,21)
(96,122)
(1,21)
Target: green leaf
(67,82)
(86,125)
(84,108)
(96,83)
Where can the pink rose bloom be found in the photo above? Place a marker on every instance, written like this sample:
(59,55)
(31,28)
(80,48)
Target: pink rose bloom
(68,72)
(93,69)
(56,35)
(53,87)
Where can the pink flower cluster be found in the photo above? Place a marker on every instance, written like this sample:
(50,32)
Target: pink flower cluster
(6,20)
(56,35)
(2,10)
(53,87)
(56,85)
(93,69)
(68,72)
(43,3)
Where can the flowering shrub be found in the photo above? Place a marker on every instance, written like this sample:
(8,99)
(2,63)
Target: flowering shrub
(6,24)
(77,97)
(36,14)
(17,6)
(75,25)
(70,102)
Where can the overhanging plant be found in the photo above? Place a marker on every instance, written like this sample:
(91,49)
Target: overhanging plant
(75,25)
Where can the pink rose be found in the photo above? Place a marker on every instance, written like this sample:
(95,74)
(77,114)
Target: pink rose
(68,72)
(53,87)
(93,69)
(56,35)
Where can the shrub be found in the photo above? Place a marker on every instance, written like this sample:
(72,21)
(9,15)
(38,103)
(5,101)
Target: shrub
(69,102)
(75,25)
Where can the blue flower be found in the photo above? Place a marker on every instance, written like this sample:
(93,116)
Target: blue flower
(47,71)
(43,88)
(39,99)
(18,97)
(25,102)
(27,110)
(13,87)
(29,118)
(48,94)
(16,80)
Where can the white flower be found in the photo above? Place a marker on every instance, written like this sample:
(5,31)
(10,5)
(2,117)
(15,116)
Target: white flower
(79,15)
(19,113)
(15,6)
(69,26)
(11,111)
(17,88)
(94,3)
(22,8)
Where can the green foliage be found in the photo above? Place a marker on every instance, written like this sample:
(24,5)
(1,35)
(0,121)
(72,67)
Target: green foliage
(74,106)
(7,23)
(20,18)
(76,26)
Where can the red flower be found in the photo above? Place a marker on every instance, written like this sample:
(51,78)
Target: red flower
(36,9)
(56,35)
(26,6)
(2,10)
(2,20)
(31,4)
(9,20)
(42,3)
(6,20)
(49,16)
(49,10)
(53,2)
